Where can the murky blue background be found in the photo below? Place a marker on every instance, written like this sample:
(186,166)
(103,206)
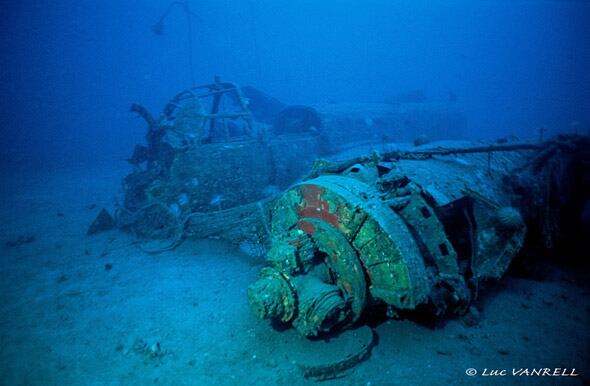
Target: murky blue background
(70,69)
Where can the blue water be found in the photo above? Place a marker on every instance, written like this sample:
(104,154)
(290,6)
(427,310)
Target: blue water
(70,69)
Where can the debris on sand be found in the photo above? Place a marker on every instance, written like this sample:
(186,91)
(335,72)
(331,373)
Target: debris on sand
(103,222)
(338,368)
(20,240)
(151,353)
(472,317)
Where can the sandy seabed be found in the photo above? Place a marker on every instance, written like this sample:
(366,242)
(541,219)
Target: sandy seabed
(96,310)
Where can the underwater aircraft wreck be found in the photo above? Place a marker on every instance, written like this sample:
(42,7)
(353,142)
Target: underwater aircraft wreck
(415,230)
(405,229)
(218,152)
(419,228)
(208,153)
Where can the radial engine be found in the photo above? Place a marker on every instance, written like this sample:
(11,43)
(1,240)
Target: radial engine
(406,233)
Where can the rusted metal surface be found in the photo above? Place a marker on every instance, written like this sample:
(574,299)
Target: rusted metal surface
(206,154)
(382,232)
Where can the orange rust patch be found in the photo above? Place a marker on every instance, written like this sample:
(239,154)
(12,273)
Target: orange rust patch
(314,206)
(296,243)
(307,227)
